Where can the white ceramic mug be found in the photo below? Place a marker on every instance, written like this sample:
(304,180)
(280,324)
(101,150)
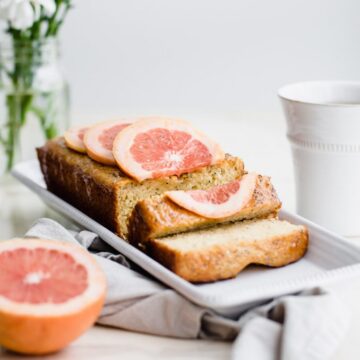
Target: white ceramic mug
(323,122)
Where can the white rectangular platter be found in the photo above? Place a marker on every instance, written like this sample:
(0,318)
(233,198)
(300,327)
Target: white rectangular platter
(330,258)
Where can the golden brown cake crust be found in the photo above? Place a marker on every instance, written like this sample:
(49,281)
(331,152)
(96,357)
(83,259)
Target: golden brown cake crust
(226,261)
(67,174)
(106,194)
(159,217)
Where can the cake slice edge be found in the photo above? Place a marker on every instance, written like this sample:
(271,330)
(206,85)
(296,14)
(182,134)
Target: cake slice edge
(159,217)
(224,251)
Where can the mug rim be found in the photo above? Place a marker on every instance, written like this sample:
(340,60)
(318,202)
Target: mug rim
(282,91)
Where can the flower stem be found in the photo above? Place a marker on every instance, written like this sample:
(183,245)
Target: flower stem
(49,129)
(24,107)
(13,125)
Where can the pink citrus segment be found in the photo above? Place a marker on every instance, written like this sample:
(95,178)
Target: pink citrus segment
(99,140)
(74,138)
(155,147)
(220,201)
(217,195)
(107,137)
(31,276)
(47,287)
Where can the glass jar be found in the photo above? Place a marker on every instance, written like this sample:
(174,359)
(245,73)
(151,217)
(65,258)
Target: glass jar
(34,98)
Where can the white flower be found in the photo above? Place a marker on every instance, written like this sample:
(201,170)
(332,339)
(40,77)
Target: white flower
(23,13)
(48,6)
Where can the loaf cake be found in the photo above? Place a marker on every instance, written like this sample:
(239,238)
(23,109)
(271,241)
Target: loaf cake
(106,194)
(221,252)
(159,216)
(206,222)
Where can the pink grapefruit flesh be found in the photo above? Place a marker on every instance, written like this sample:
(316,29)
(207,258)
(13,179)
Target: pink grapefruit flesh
(74,138)
(99,140)
(50,293)
(156,147)
(220,201)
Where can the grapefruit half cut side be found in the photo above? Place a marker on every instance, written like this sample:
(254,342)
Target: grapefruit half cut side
(50,293)
(74,138)
(155,147)
(99,140)
(220,201)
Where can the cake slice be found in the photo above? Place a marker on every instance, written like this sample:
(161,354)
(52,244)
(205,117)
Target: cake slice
(159,216)
(223,251)
(106,194)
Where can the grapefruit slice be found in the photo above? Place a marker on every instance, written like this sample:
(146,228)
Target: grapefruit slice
(74,138)
(218,202)
(50,293)
(155,147)
(99,140)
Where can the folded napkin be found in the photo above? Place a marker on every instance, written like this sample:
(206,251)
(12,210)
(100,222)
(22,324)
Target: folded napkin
(308,325)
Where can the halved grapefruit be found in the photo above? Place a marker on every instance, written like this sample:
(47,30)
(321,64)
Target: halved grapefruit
(154,147)
(218,202)
(99,140)
(74,138)
(50,293)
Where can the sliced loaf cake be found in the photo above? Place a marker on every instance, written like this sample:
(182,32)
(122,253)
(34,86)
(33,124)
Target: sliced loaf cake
(159,216)
(221,252)
(106,194)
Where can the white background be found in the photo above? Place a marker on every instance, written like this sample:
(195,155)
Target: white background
(211,61)
(220,57)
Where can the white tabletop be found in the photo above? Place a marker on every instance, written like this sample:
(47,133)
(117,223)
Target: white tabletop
(261,142)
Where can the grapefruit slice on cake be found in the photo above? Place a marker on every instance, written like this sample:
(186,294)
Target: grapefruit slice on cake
(74,138)
(217,202)
(155,147)
(99,140)
(50,293)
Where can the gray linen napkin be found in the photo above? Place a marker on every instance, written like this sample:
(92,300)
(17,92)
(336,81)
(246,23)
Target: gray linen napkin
(308,325)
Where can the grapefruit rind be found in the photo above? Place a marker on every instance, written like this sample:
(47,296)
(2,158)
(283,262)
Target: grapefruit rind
(125,139)
(94,148)
(73,141)
(235,203)
(45,328)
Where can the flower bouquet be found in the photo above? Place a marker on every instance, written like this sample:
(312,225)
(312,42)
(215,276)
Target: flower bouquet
(32,87)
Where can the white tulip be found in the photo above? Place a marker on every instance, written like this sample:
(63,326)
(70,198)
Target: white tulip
(48,6)
(23,13)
